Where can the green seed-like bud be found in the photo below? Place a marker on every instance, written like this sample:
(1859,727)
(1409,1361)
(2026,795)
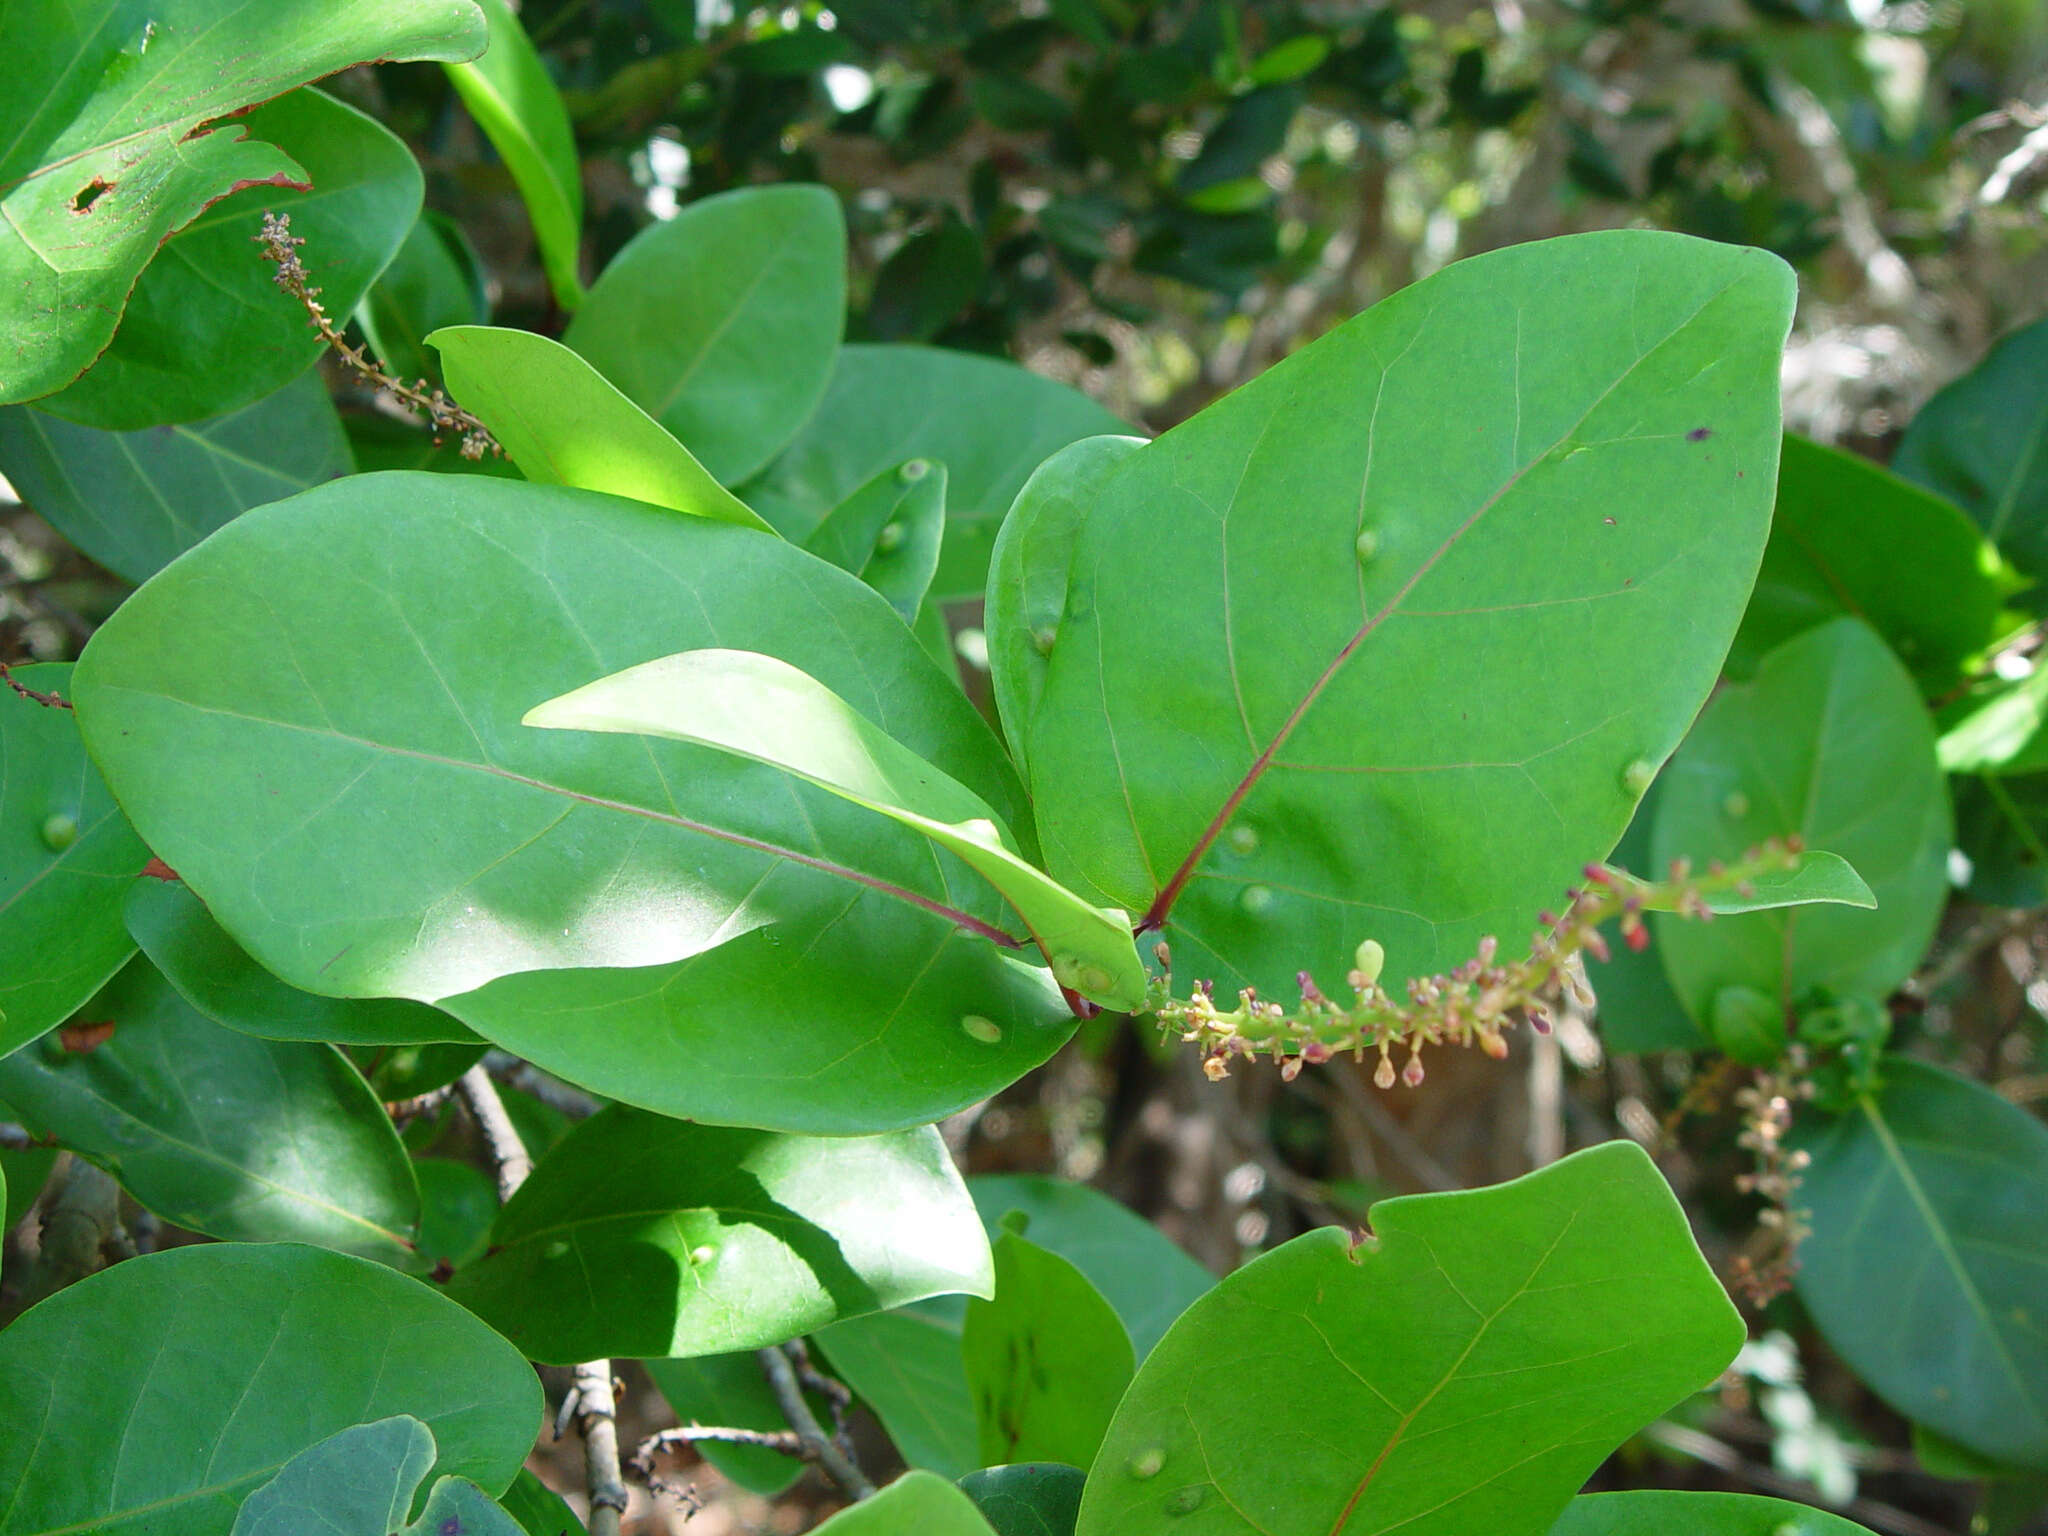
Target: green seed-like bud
(975,1027)
(1368,546)
(1146,1463)
(1256,899)
(1370,960)
(60,832)
(1243,840)
(1636,777)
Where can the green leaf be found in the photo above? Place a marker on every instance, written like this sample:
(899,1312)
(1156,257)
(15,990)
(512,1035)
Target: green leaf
(135,501)
(1929,1204)
(114,121)
(206,330)
(458,1203)
(989,422)
(1829,742)
(564,423)
(916,1501)
(640,1235)
(412,839)
(2002,734)
(1463,1370)
(888,533)
(905,1365)
(2002,830)
(1848,538)
(1386,643)
(1034,1499)
(1815,878)
(66,854)
(730,1390)
(722,322)
(1290,60)
(1983,443)
(1638,1011)
(1046,1359)
(358,1482)
(222,1133)
(426,287)
(216,976)
(1656,1513)
(22,1177)
(765,710)
(509,93)
(538,1508)
(167,1387)
(926,281)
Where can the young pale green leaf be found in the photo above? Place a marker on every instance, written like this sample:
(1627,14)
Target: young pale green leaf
(155,1395)
(1829,742)
(1657,1513)
(722,322)
(2002,734)
(206,330)
(110,153)
(222,1133)
(1815,878)
(730,1390)
(135,501)
(510,94)
(1034,1499)
(1849,538)
(564,423)
(216,976)
(1463,1370)
(66,854)
(989,422)
(888,533)
(432,283)
(1046,1359)
(1028,571)
(766,710)
(357,1482)
(916,1501)
(1387,643)
(640,1235)
(1983,443)
(325,744)
(1929,1203)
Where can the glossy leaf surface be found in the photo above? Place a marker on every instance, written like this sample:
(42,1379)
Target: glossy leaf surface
(163,1390)
(640,1235)
(770,712)
(989,422)
(509,93)
(222,1133)
(1463,1371)
(1385,643)
(1656,1513)
(722,322)
(1830,742)
(1046,1359)
(1929,1205)
(66,857)
(135,501)
(888,533)
(115,96)
(539,1510)
(206,330)
(368,817)
(564,423)
(916,1501)
(1033,1499)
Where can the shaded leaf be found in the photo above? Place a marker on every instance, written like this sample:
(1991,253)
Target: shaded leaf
(220,1132)
(1463,1370)
(165,1388)
(1655,1513)
(730,1390)
(640,1235)
(926,281)
(424,288)
(916,1501)
(905,1365)
(722,322)
(888,533)
(106,156)
(1034,1499)
(539,1510)
(358,1482)
(458,1203)
(564,423)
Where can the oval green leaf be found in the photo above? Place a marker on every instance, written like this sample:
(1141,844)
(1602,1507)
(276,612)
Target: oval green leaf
(358,1482)
(1657,1513)
(916,1501)
(888,533)
(905,1366)
(1032,1499)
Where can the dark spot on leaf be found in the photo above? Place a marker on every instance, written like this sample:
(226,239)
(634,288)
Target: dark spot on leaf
(452,1526)
(82,1037)
(157,869)
(91,193)
(1699,434)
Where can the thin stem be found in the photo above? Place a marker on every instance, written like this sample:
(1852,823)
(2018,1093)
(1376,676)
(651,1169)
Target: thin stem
(818,1446)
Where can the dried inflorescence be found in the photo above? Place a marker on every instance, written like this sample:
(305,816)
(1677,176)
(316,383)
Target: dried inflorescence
(1768,1103)
(281,248)
(1475,1004)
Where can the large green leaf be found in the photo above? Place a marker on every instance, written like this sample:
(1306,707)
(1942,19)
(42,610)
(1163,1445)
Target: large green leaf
(905,1365)
(889,533)
(564,423)
(361,1482)
(1929,1203)
(109,153)
(206,330)
(513,100)
(1983,443)
(324,741)
(1046,1359)
(431,283)
(216,976)
(223,1133)
(1829,742)
(135,501)
(916,1502)
(1462,1370)
(1656,1513)
(722,322)
(153,1396)
(989,422)
(1387,643)
(66,856)
(539,1510)
(640,1235)
(765,710)
(1031,1499)
(1850,538)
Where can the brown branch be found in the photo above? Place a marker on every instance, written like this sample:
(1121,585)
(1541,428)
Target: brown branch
(47,700)
(827,1452)
(510,1163)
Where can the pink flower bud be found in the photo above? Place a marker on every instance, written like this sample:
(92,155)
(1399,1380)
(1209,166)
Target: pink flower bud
(1412,1073)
